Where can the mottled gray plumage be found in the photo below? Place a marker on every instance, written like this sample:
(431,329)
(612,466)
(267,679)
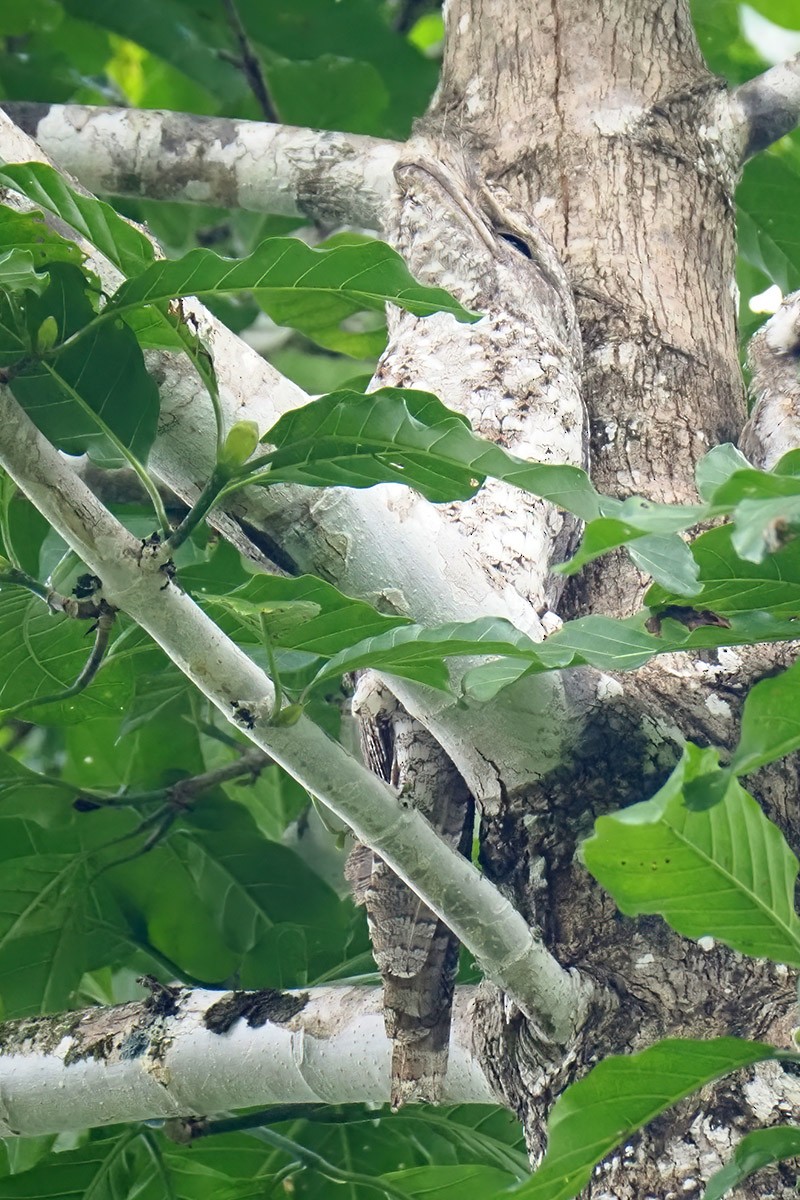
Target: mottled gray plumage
(416,953)
(515,375)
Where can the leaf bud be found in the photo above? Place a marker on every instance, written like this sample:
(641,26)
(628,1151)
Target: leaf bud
(240,443)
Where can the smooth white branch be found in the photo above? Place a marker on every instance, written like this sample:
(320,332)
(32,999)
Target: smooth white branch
(476,911)
(765,108)
(332,178)
(186,1052)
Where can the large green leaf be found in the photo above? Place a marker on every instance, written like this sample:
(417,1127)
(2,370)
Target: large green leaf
(726,50)
(95,395)
(103,1169)
(331,620)
(43,950)
(766,211)
(715,468)
(137,1164)
(116,238)
(779,12)
(329,92)
(310,29)
(20,17)
(756,1150)
(26,793)
(619,1096)
(323,315)
(725,871)
(770,722)
(451,1183)
(730,585)
(43,654)
(668,559)
(293,276)
(418,653)
(268,906)
(397,435)
(184,37)
(18,274)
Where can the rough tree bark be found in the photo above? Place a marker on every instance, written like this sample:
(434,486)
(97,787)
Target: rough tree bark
(605,124)
(573,180)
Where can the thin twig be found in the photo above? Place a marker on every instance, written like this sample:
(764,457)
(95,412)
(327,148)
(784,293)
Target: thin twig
(251,65)
(180,795)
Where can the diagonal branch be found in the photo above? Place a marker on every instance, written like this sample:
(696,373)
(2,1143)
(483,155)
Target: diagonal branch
(134,582)
(333,178)
(188,1052)
(402,554)
(765,108)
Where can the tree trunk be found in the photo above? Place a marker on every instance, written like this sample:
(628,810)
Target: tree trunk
(594,136)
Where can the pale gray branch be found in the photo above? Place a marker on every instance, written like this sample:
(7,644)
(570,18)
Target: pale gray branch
(766,108)
(480,916)
(196,1053)
(333,178)
(387,545)
(774,358)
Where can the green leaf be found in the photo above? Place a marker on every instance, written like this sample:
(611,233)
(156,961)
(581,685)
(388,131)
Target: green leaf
(26,793)
(604,643)
(669,560)
(43,654)
(762,527)
(770,722)
(264,900)
(366,275)
(280,617)
(451,1183)
(766,214)
(716,467)
(95,395)
(17,273)
(725,871)
(727,52)
(362,31)
(730,585)
(780,12)
(177,33)
(417,653)
(397,435)
(618,1097)
(28,231)
(331,621)
(755,1151)
(599,536)
(139,1163)
(21,17)
(14,336)
(329,92)
(116,238)
(43,951)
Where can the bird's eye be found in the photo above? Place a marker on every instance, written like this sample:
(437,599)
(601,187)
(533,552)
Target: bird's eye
(517,242)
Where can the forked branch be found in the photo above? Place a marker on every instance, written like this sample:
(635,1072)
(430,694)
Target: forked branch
(480,916)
